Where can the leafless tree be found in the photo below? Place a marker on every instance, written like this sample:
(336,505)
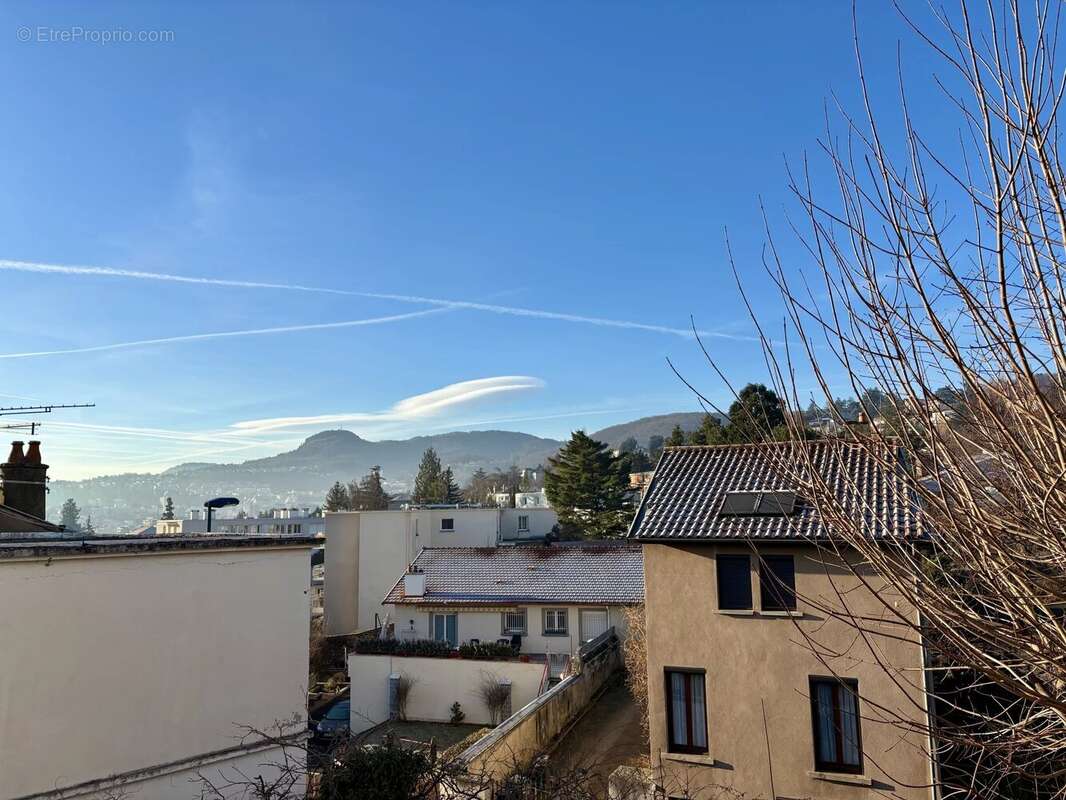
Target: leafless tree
(635,658)
(938,280)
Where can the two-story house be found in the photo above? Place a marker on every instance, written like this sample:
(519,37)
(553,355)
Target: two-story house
(758,680)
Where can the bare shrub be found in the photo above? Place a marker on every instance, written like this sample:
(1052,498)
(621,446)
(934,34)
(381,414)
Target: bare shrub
(494,693)
(404,685)
(635,659)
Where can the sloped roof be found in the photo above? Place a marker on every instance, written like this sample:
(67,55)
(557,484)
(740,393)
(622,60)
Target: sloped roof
(580,574)
(691,483)
(14,521)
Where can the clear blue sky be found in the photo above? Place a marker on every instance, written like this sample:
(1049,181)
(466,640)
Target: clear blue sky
(580,159)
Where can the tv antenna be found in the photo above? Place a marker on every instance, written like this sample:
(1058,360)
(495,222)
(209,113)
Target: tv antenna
(10,411)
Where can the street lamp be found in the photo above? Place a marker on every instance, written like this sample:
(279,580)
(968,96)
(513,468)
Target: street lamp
(218,502)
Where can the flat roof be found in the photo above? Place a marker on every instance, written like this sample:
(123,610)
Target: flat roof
(58,546)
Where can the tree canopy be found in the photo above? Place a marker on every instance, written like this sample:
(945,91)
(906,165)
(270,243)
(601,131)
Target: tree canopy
(337,498)
(586,485)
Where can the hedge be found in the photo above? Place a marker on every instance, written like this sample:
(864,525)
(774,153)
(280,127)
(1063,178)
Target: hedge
(400,647)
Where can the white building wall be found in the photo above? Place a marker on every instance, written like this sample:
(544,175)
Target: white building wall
(119,663)
(439,682)
(540,523)
(487,625)
(368,551)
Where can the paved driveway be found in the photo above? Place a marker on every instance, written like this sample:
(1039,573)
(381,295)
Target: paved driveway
(607,736)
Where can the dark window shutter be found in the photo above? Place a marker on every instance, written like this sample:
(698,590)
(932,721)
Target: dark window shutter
(734,582)
(777,583)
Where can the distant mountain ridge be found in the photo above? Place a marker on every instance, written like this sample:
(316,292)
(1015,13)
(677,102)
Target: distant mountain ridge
(300,477)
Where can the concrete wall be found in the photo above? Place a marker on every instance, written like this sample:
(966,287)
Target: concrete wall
(182,781)
(541,521)
(757,659)
(486,625)
(532,728)
(439,682)
(118,663)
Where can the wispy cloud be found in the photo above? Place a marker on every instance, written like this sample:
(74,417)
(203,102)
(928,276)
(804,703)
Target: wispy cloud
(196,337)
(411,408)
(63,269)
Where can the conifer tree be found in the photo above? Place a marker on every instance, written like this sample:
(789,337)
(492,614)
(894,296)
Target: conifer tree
(586,486)
(449,489)
(168,509)
(477,488)
(676,438)
(428,487)
(755,414)
(337,498)
(70,515)
(90,529)
(369,494)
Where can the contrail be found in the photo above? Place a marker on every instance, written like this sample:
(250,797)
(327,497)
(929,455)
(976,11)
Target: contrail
(61,269)
(195,337)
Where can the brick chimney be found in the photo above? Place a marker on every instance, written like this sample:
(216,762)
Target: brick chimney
(23,479)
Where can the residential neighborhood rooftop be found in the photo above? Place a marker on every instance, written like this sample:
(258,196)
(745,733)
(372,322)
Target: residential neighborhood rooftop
(697,490)
(588,573)
(54,546)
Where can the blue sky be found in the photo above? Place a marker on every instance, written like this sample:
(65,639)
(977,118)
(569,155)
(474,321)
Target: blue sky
(577,159)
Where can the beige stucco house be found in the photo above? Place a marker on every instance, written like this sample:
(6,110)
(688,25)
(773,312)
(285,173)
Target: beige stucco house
(755,684)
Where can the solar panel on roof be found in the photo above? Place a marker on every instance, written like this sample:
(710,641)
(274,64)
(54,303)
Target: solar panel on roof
(776,503)
(758,504)
(738,504)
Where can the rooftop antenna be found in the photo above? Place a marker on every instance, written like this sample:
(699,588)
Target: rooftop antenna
(10,411)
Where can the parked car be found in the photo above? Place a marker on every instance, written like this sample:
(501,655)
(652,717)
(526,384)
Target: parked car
(335,721)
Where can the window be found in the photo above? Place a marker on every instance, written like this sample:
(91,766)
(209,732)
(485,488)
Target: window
(761,503)
(556,622)
(734,581)
(777,583)
(523,522)
(514,622)
(445,628)
(447,523)
(835,719)
(686,711)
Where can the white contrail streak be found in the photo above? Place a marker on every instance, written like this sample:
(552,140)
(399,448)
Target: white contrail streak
(62,269)
(195,337)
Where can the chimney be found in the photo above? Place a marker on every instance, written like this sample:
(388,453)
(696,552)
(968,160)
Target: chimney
(414,583)
(23,477)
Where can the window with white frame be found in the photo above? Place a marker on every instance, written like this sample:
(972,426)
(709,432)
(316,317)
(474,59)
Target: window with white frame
(555,622)
(447,523)
(523,523)
(514,621)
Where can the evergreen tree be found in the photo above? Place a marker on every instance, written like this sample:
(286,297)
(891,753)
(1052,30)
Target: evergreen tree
(655,448)
(755,414)
(70,515)
(428,487)
(337,499)
(586,486)
(628,446)
(369,494)
(90,529)
(168,509)
(677,437)
(478,487)
(710,431)
(449,489)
